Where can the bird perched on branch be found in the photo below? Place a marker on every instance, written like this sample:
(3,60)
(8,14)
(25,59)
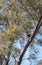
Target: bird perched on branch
(27,35)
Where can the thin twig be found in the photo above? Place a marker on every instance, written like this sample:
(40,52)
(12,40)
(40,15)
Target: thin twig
(26,9)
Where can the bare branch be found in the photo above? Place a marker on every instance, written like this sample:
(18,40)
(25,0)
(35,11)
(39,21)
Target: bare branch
(30,6)
(30,40)
(26,9)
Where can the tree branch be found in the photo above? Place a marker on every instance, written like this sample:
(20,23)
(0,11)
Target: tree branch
(30,40)
(10,47)
(26,9)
